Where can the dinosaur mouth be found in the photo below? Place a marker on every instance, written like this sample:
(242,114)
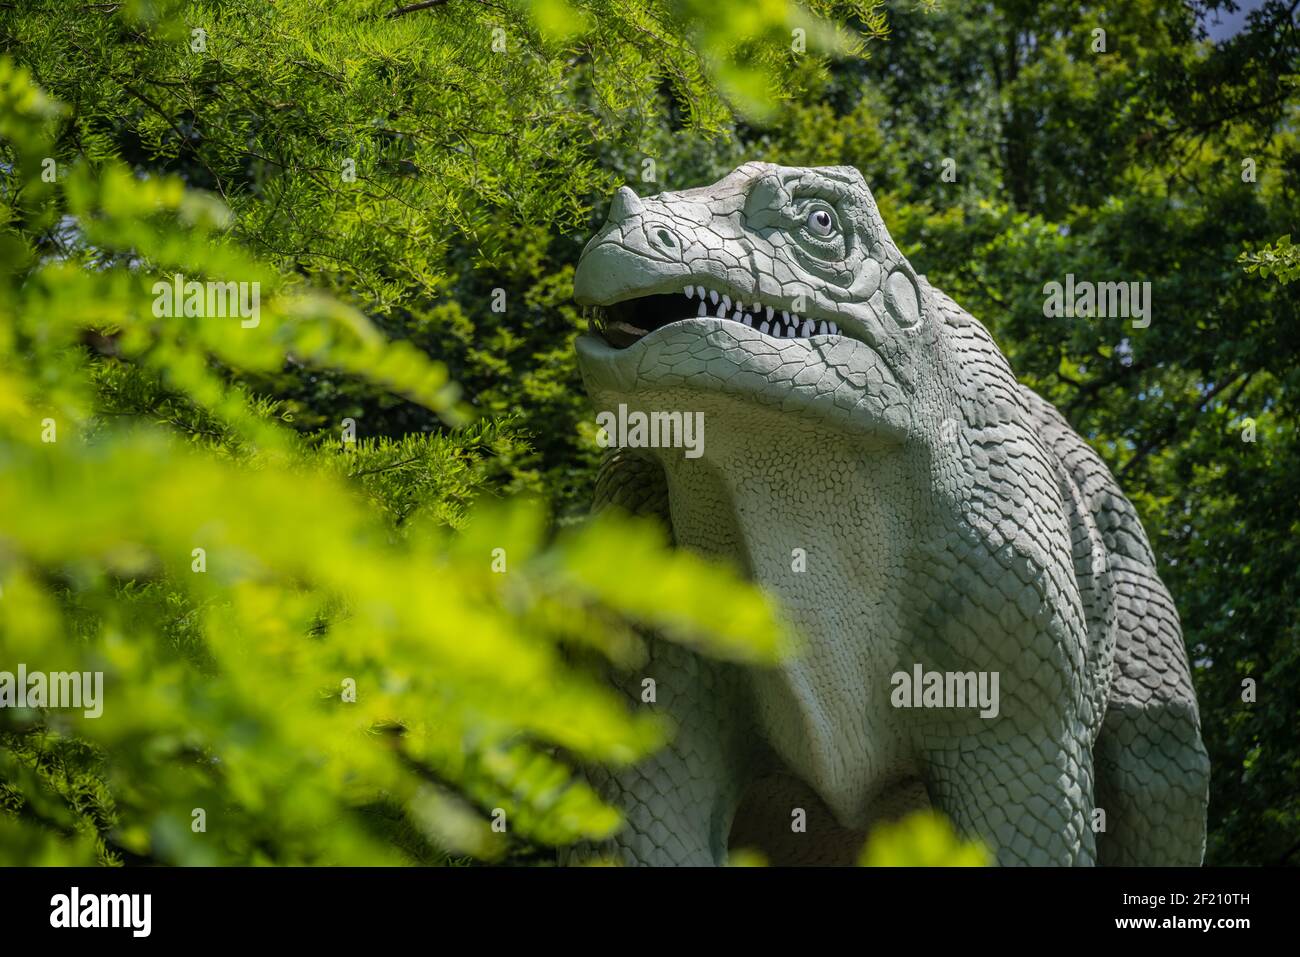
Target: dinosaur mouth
(624,323)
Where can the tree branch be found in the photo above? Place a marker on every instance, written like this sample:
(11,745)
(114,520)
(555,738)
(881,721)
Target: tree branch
(1165,433)
(412,8)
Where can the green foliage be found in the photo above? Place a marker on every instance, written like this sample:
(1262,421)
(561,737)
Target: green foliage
(292,637)
(923,839)
(478,175)
(417,163)
(1280,260)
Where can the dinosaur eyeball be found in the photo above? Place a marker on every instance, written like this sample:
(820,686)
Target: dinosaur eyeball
(820,223)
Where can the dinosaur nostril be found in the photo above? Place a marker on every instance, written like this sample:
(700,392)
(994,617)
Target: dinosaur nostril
(665,238)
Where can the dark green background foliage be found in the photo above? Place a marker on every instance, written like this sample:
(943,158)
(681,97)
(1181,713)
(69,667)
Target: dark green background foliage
(479,175)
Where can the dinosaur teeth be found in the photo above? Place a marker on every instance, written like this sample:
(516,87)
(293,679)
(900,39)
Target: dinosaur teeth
(779,323)
(766,319)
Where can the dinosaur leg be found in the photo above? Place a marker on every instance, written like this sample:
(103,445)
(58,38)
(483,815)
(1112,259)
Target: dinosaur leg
(1152,770)
(1026,795)
(679,802)
(1152,776)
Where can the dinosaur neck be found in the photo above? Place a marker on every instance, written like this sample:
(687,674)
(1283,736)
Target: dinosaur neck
(820,521)
(830,528)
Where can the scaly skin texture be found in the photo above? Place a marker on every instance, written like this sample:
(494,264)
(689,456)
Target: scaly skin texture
(909,503)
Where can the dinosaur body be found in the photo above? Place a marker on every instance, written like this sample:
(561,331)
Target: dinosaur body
(869,457)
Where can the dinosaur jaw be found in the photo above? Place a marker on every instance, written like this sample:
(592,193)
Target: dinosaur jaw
(837,381)
(623,323)
(686,335)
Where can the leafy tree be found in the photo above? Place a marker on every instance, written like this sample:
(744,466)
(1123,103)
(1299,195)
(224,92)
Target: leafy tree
(1006,146)
(301,662)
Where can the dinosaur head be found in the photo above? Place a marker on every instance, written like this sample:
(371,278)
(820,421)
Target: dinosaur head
(777,285)
(869,454)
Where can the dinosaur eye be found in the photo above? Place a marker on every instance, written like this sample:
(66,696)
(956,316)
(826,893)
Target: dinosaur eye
(821,223)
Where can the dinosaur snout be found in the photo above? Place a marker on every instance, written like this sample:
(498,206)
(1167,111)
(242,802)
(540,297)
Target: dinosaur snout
(628,211)
(640,246)
(643,226)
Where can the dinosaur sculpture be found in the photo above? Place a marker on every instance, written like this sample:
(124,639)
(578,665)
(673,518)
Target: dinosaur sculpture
(869,457)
